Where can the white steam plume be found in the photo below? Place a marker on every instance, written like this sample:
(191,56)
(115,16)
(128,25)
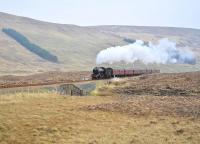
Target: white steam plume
(165,52)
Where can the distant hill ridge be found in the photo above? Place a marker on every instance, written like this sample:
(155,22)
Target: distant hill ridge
(76,47)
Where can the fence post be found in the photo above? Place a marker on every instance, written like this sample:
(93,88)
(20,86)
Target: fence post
(28,91)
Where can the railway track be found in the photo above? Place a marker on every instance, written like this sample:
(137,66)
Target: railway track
(14,85)
(43,79)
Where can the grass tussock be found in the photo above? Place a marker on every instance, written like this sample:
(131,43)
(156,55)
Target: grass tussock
(105,88)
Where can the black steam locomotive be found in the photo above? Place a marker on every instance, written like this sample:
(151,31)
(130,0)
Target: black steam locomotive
(105,73)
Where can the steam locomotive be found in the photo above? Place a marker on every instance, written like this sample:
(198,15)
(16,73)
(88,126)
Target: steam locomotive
(106,73)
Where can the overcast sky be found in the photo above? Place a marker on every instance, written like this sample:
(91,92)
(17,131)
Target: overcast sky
(175,13)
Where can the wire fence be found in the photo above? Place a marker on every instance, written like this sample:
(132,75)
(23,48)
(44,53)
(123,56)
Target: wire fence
(29,90)
(64,89)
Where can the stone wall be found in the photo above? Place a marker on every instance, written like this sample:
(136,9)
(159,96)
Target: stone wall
(71,89)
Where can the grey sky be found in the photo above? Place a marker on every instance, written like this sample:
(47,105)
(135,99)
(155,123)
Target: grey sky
(176,13)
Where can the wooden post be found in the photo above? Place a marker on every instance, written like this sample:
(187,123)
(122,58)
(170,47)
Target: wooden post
(28,91)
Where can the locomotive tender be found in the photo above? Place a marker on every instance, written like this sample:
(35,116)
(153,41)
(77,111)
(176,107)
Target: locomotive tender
(106,73)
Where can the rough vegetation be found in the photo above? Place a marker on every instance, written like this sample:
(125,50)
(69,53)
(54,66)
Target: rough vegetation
(153,105)
(50,118)
(155,94)
(185,84)
(112,115)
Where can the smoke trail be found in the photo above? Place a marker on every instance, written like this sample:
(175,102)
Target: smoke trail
(165,52)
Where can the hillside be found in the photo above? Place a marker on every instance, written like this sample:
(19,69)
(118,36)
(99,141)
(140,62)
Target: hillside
(22,40)
(76,47)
